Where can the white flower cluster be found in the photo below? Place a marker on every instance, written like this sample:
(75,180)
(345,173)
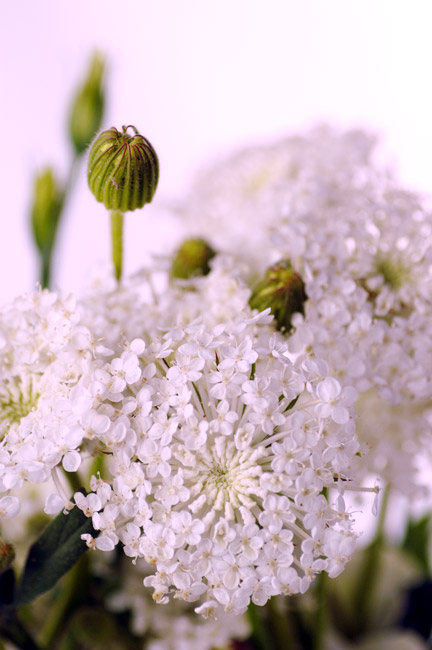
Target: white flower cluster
(222,451)
(225,463)
(41,357)
(363,247)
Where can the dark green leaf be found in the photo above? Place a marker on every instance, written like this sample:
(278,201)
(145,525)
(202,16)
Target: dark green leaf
(53,554)
(416,541)
(7,585)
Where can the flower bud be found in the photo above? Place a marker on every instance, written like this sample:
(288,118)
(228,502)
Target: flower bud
(87,108)
(281,289)
(192,259)
(45,214)
(123,169)
(7,555)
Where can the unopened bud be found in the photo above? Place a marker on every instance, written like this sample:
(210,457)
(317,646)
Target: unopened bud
(7,555)
(192,259)
(281,289)
(87,108)
(45,214)
(123,169)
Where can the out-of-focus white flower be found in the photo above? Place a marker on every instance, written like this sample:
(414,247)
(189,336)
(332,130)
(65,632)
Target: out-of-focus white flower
(363,247)
(174,626)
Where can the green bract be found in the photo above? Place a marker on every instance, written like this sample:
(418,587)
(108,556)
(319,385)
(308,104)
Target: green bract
(281,289)
(123,169)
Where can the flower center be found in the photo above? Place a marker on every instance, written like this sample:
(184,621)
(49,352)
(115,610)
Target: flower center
(394,273)
(225,478)
(18,397)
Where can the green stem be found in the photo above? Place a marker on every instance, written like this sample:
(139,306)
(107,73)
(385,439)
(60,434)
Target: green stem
(369,574)
(117,243)
(74,481)
(282,632)
(320,622)
(259,629)
(75,588)
(45,273)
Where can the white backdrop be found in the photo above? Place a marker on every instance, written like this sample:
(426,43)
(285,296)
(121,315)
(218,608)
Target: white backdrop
(198,77)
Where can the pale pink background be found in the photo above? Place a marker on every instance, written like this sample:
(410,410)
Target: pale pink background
(199,77)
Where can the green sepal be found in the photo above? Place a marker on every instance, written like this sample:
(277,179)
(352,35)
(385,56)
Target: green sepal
(55,552)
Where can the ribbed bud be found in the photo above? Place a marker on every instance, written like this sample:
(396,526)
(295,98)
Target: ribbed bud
(45,213)
(192,259)
(281,289)
(7,555)
(87,108)
(123,169)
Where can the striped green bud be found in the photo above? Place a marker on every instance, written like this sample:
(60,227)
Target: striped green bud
(192,259)
(281,289)
(123,169)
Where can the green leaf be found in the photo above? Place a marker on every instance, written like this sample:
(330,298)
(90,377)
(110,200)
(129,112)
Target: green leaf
(56,551)
(7,586)
(416,541)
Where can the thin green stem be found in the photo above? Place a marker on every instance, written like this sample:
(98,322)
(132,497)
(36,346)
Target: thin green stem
(73,168)
(74,481)
(369,574)
(320,622)
(45,266)
(117,243)
(259,629)
(280,627)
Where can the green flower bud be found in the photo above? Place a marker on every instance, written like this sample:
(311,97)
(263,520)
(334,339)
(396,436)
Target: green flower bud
(281,289)
(87,108)
(47,205)
(7,555)
(192,259)
(123,169)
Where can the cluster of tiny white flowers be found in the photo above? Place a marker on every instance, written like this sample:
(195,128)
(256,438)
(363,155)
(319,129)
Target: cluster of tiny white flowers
(225,463)
(221,450)
(363,247)
(236,201)
(41,358)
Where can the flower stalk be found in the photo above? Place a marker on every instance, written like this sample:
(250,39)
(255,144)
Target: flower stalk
(123,172)
(370,574)
(117,221)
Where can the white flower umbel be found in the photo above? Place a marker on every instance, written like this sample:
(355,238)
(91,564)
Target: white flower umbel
(43,353)
(222,453)
(363,247)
